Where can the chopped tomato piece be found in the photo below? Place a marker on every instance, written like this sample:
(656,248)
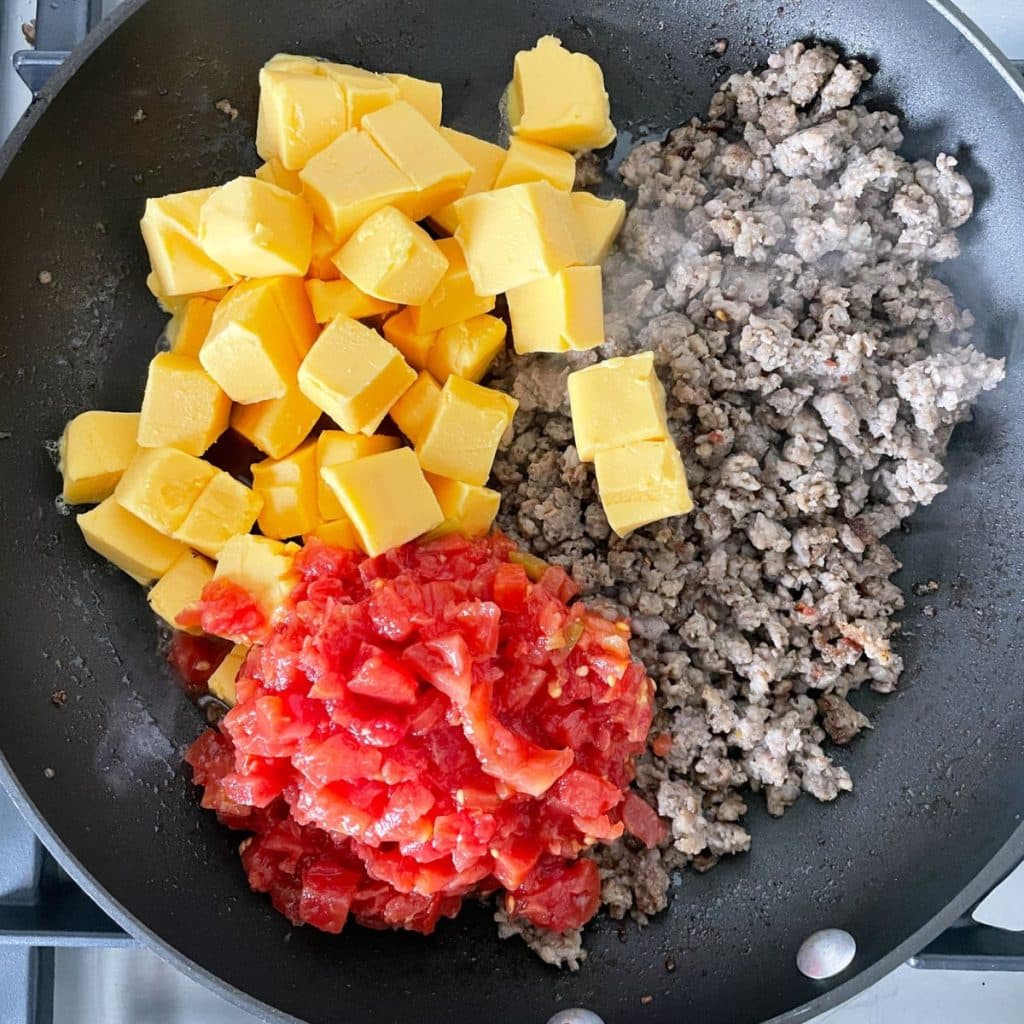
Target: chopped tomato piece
(641,820)
(382,676)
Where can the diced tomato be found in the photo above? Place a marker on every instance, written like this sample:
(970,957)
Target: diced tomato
(445,663)
(383,677)
(195,659)
(338,757)
(560,896)
(511,585)
(327,894)
(227,610)
(479,623)
(642,821)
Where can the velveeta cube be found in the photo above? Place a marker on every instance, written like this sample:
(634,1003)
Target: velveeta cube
(278,426)
(257,230)
(472,509)
(416,406)
(597,223)
(558,313)
(336,446)
(222,683)
(181,586)
(288,489)
(354,375)
(462,437)
(273,172)
(617,402)
(535,161)
(392,259)
(414,345)
(321,260)
(338,533)
(365,91)
(467,349)
(484,157)
(262,566)
(454,299)
(342,298)
(161,485)
(188,329)
(426,97)
(170,229)
(349,180)
(439,175)
(225,507)
(95,450)
(641,483)
(125,540)
(182,406)
(386,497)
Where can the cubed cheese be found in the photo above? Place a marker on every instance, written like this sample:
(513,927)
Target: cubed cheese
(338,533)
(484,157)
(301,111)
(188,330)
(354,375)
(279,426)
(472,508)
(321,263)
(461,438)
(617,402)
(426,97)
(336,446)
(95,450)
(170,229)
(416,406)
(391,258)
(418,149)
(161,485)
(251,350)
(386,497)
(467,349)
(175,304)
(641,483)
(288,488)
(257,230)
(558,313)
(225,507)
(342,298)
(181,586)
(535,161)
(182,406)
(349,180)
(516,235)
(399,330)
(133,546)
(273,172)
(558,97)
(365,91)
(598,222)
(262,566)
(222,683)
(454,299)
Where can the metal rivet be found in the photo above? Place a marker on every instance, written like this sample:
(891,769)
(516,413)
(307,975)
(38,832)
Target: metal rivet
(826,953)
(577,1015)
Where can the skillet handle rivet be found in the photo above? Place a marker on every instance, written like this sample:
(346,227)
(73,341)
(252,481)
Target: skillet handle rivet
(826,953)
(577,1015)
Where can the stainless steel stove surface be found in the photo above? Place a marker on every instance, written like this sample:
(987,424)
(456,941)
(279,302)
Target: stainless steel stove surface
(64,962)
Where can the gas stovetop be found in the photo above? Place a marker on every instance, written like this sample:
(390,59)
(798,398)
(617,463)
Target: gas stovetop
(62,961)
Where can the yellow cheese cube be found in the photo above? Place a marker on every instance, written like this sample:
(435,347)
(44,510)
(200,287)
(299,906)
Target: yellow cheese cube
(516,235)
(365,91)
(294,306)
(558,313)
(392,258)
(416,406)
(251,351)
(222,683)
(426,97)
(262,566)
(294,62)
(135,548)
(321,263)
(181,586)
(273,172)
(170,229)
(641,483)
(598,223)
(617,402)
(558,97)
(467,349)
(288,488)
(225,507)
(95,450)
(334,447)
(354,375)
(257,230)
(386,497)
(454,299)
(470,507)
(418,149)
(182,406)
(342,298)
(176,304)
(534,161)
(338,533)
(349,180)
(462,437)
(484,157)
(188,330)
(161,485)
(399,330)
(301,111)
(279,426)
